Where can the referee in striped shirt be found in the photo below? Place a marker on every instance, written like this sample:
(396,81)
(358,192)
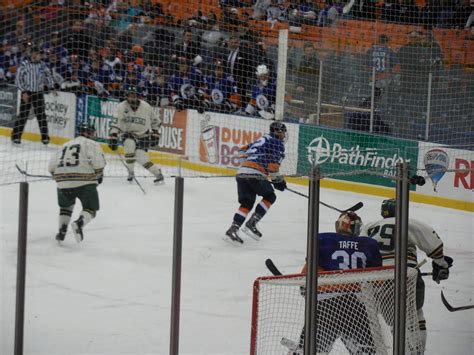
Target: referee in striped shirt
(33,77)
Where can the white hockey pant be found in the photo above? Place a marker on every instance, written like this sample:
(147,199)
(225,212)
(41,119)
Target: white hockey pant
(132,155)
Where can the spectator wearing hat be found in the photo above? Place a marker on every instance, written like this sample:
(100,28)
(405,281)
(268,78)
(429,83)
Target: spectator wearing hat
(33,78)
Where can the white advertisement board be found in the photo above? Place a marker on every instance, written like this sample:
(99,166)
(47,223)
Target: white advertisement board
(449,172)
(60,111)
(215,138)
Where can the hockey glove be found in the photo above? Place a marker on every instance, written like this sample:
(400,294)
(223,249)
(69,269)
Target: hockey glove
(113,142)
(441,268)
(100,179)
(280,185)
(154,138)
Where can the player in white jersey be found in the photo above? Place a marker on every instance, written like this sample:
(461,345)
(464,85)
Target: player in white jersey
(138,128)
(421,236)
(78,169)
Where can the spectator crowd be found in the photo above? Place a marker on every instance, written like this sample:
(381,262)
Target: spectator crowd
(205,62)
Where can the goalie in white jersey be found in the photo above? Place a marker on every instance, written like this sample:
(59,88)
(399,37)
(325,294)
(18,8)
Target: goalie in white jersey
(420,235)
(78,169)
(138,128)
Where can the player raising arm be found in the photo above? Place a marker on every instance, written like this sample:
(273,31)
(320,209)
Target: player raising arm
(262,161)
(419,235)
(77,169)
(138,127)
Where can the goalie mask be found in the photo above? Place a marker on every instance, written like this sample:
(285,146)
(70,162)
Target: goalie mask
(349,224)
(263,74)
(387,209)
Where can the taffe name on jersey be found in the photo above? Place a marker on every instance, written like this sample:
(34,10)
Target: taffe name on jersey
(343,244)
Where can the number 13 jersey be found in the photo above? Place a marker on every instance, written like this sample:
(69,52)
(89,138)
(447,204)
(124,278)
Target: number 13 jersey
(79,162)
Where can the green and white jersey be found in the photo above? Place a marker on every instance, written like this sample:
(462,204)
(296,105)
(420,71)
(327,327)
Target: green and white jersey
(419,235)
(138,122)
(79,162)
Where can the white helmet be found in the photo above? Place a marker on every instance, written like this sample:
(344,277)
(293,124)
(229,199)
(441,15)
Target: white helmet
(262,69)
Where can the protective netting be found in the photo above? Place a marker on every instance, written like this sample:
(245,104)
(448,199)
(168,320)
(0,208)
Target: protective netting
(361,86)
(354,314)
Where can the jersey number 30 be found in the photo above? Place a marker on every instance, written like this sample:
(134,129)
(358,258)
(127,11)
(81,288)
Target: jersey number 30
(356,260)
(70,156)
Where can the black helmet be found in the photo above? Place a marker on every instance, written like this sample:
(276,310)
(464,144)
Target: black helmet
(278,129)
(131,89)
(388,208)
(86,130)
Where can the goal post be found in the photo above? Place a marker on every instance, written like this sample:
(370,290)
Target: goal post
(355,312)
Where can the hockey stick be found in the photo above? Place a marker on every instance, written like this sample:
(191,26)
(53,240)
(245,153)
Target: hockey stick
(273,269)
(24,172)
(133,175)
(354,208)
(454,309)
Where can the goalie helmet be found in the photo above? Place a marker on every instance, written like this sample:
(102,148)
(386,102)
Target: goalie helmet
(387,209)
(349,224)
(278,129)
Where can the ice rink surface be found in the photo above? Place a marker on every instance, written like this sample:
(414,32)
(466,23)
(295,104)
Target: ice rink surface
(111,294)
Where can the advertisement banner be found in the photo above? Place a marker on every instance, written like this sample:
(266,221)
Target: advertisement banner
(102,113)
(216,139)
(8,102)
(450,172)
(60,109)
(339,151)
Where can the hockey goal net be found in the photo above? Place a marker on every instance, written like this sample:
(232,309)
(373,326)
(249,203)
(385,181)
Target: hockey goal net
(355,313)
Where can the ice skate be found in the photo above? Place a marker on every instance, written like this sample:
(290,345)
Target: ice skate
(77,229)
(61,234)
(131,176)
(251,230)
(159,179)
(232,236)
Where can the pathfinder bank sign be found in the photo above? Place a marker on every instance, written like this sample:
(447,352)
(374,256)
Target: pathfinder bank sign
(351,156)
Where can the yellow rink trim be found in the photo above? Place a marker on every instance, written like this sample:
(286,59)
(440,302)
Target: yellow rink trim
(175,160)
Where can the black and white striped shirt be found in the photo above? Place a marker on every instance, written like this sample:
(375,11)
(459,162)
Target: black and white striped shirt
(33,77)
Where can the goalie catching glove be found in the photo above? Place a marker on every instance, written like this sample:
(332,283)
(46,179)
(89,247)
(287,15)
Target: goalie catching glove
(113,141)
(441,268)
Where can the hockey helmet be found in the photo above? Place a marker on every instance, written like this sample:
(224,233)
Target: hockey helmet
(86,130)
(349,223)
(278,129)
(387,209)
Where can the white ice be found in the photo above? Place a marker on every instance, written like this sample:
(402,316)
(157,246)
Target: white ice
(111,294)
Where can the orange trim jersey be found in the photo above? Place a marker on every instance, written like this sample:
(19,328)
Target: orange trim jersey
(263,157)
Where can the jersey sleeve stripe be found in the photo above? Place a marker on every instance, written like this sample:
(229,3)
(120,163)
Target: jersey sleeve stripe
(437,253)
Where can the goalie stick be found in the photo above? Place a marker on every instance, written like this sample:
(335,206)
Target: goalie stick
(354,208)
(24,172)
(276,272)
(454,309)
